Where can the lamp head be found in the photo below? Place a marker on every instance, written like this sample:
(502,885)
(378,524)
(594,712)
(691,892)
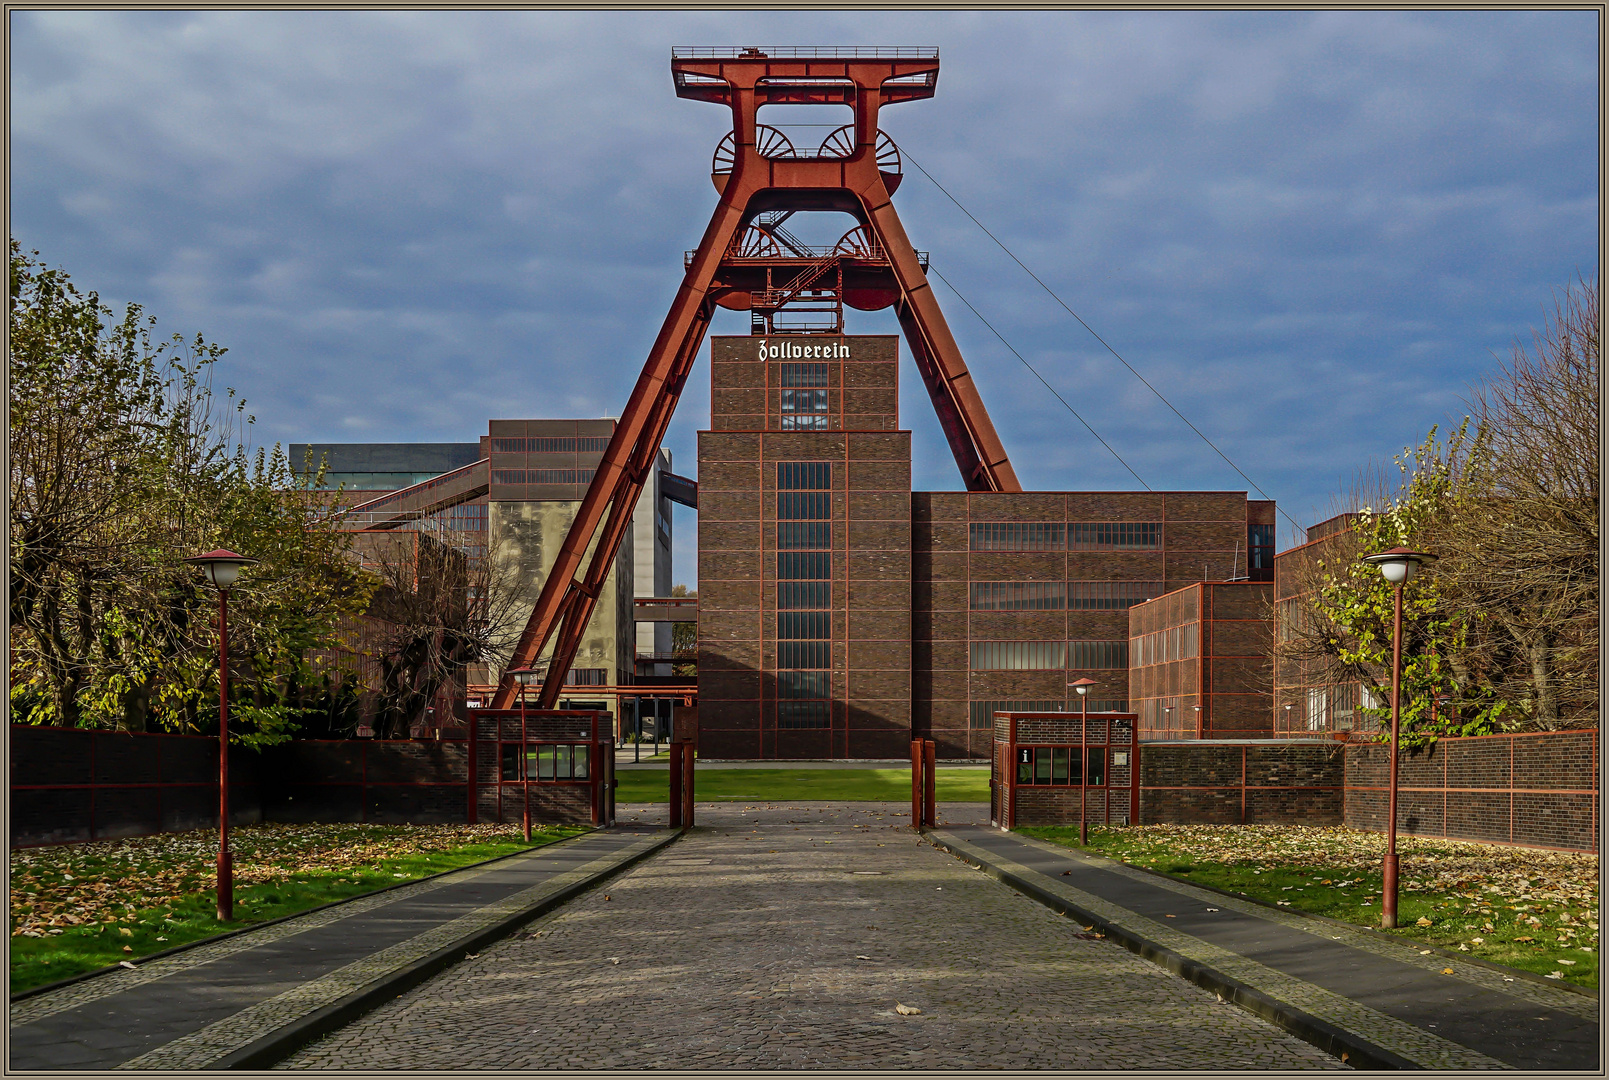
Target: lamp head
(1399,564)
(525,676)
(221,567)
(1082,685)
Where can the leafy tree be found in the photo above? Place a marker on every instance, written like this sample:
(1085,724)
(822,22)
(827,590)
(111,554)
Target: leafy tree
(1501,633)
(119,469)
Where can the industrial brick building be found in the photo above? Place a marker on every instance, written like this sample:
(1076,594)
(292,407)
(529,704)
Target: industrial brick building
(511,497)
(841,612)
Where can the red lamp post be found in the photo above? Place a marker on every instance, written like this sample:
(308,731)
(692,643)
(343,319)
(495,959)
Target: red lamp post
(222,568)
(1397,565)
(525,676)
(1082,686)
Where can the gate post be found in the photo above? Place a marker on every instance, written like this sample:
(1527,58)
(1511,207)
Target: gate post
(917,786)
(930,812)
(676,750)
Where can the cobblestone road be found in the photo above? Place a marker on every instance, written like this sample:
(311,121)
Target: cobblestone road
(784,937)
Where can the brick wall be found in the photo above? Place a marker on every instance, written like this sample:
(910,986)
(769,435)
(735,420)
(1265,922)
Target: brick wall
(1535,790)
(1241,782)
(71,785)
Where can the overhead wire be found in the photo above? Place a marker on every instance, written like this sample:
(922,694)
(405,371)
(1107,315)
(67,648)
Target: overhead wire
(905,155)
(935,272)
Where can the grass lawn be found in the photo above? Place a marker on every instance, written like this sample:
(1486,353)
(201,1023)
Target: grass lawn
(797,785)
(78,907)
(1535,910)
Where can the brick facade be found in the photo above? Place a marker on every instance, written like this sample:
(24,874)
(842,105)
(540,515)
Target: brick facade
(1199,662)
(1535,790)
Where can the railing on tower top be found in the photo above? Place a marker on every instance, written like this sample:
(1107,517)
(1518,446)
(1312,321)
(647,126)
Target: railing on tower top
(805,52)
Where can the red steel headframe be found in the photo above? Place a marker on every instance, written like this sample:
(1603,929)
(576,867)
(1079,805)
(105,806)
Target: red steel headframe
(866,79)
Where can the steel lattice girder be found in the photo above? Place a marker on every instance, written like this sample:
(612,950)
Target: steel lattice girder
(756,184)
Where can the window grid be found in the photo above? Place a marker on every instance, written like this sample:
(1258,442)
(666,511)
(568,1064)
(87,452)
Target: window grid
(555,445)
(1042,766)
(1019,595)
(983,711)
(542,476)
(804,476)
(1114,536)
(1018,536)
(1094,655)
(802,375)
(1111,595)
(1165,646)
(804,648)
(1019,655)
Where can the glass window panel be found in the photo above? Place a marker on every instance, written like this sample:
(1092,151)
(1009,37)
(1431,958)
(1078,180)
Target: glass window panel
(802,714)
(804,475)
(562,769)
(803,594)
(793,565)
(511,762)
(1017,536)
(578,760)
(802,684)
(1019,655)
(1097,764)
(802,375)
(803,654)
(804,624)
(1042,762)
(806,535)
(803,506)
(545,756)
(1025,765)
(1058,765)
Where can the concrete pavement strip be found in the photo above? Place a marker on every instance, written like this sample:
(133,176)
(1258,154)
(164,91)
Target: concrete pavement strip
(252,999)
(1349,991)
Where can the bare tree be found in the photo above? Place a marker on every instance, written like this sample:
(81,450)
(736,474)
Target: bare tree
(1520,547)
(441,610)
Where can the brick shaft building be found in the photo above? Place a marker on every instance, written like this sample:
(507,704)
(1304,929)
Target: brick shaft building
(841,612)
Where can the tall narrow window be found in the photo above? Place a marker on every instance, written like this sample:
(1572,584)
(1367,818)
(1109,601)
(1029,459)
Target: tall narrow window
(804,589)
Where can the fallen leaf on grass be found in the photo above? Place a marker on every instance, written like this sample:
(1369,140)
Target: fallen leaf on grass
(128,948)
(125,963)
(907,1010)
(1555,975)
(1422,921)
(1570,962)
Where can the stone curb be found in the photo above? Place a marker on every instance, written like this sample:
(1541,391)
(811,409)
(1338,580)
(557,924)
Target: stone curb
(288,1038)
(35,991)
(1360,1053)
(1377,934)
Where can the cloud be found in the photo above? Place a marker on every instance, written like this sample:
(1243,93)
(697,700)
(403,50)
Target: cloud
(1310,230)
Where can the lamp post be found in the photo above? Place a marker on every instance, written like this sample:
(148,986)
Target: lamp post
(222,568)
(525,676)
(1397,565)
(1082,686)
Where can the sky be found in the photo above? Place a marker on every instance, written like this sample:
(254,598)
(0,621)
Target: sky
(1314,232)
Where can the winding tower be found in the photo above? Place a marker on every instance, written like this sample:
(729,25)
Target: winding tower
(749,261)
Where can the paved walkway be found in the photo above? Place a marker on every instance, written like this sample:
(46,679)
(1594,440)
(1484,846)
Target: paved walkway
(787,937)
(237,1001)
(1353,989)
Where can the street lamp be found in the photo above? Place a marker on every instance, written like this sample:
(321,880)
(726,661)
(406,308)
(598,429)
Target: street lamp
(222,568)
(1082,686)
(525,677)
(1397,565)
